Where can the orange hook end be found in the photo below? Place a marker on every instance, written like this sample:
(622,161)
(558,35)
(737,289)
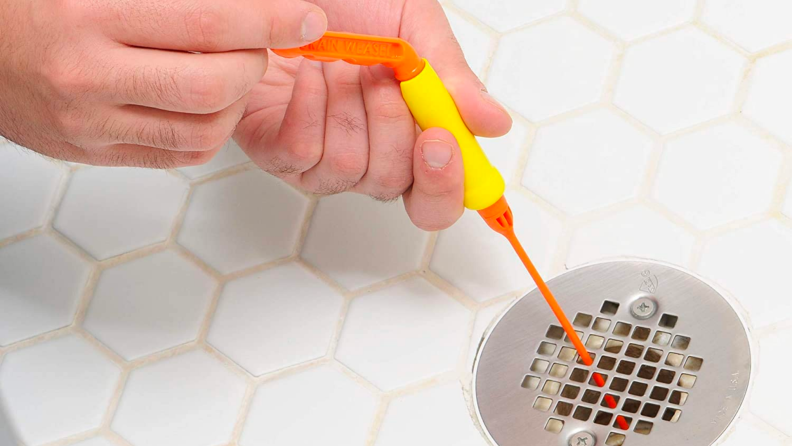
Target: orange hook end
(359,49)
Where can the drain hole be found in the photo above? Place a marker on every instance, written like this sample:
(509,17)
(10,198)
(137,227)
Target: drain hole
(641,333)
(612,397)
(582,320)
(571,392)
(530,382)
(686,381)
(603,418)
(567,354)
(613,346)
(672,414)
(595,342)
(601,324)
(666,376)
(674,359)
(681,342)
(609,307)
(650,410)
(634,350)
(668,321)
(661,338)
(543,404)
(622,329)
(592,382)
(539,365)
(638,388)
(647,372)
(554,426)
(579,375)
(627,420)
(579,360)
(551,387)
(579,335)
(618,384)
(546,349)
(693,363)
(643,427)
(555,332)
(564,409)
(591,396)
(607,363)
(653,355)
(558,370)
(582,413)
(631,405)
(678,397)
(615,439)
(659,393)
(625,367)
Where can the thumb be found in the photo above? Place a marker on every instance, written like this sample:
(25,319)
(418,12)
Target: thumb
(425,26)
(435,200)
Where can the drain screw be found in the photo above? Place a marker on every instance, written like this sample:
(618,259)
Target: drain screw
(582,438)
(643,308)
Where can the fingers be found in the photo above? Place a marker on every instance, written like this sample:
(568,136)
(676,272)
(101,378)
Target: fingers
(168,130)
(130,155)
(213,26)
(391,136)
(346,144)
(425,26)
(183,82)
(295,146)
(435,200)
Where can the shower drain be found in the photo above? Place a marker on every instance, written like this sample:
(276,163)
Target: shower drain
(674,354)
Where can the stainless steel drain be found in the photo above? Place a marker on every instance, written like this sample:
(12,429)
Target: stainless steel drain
(674,353)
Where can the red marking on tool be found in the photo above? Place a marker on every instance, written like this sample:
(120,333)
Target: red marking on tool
(499,217)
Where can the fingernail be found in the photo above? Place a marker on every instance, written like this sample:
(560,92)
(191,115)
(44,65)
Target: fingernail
(313,27)
(436,154)
(488,97)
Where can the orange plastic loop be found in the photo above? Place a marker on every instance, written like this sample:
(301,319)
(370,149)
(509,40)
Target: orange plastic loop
(359,49)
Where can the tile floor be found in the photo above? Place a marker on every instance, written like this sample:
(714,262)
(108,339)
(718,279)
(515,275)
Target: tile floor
(142,308)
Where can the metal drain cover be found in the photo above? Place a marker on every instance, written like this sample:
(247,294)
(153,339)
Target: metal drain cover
(675,355)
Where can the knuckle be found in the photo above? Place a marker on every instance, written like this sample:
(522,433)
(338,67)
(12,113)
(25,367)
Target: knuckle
(392,185)
(208,136)
(71,124)
(391,111)
(207,27)
(348,165)
(67,81)
(192,158)
(208,92)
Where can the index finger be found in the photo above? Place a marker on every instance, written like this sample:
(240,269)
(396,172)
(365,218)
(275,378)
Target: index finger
(213,26)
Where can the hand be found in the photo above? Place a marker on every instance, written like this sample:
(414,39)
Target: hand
(119,82)
(329,128)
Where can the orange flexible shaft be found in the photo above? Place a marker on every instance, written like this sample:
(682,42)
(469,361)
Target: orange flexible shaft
(499,217)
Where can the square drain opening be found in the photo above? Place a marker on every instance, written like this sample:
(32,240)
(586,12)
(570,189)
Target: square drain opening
(672,415)
(614,346)
(582,320)
(531,382)
(643,427)
(582,413)
(615,439)
(603,418)
(546,349)
(564,409)
(601,324)
(570,391)
(609,307)
(554,425)
(668,321)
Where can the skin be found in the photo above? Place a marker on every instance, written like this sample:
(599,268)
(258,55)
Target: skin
(165,84)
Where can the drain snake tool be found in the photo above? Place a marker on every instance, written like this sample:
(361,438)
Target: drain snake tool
(432,106)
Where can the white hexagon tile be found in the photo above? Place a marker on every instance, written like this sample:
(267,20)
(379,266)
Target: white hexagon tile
(41,282)
(587,162)
(34,181)
(769,100)
(482,264)
(338,410)
(403,334)
(188,400)
(358,241)
(111,211)
(629,19)
(752,24)
(550,68)
(57,388)
(718,175)
(149,304)
(215,305)
(242,221)
(677,80)
(274,319)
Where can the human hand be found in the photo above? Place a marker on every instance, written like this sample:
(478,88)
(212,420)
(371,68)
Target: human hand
(119,82)
(329,128)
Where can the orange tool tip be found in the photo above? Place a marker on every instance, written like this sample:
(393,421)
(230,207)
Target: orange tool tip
(359,49)
(499,216)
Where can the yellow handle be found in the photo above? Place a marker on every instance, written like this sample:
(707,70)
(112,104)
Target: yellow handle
(432,106)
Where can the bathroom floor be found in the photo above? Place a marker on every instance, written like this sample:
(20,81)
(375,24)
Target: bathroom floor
(153,308)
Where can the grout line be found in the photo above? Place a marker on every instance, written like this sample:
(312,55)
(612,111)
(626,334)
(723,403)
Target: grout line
(99,345)
(57,198)
(449,289)
(332,347)
(596,28)
(305,225)
(211,309)
(708,30)
(651,170)
(233,170)
(426,257)
(178,221)
(614,74)
(88,289)
(244,411)
(376,423)
(116,438)
(109,415)
(659,34)
(30,233)
(744,87)
(351,374)
(699,11)
(524,151)
(43,337)
(540,21)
